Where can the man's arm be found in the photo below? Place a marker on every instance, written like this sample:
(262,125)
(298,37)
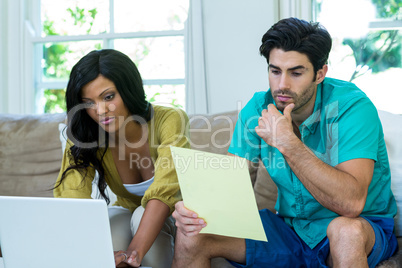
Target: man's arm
(342,189)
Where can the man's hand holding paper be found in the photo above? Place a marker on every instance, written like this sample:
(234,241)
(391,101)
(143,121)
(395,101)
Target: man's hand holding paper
(219,189)
(187,221)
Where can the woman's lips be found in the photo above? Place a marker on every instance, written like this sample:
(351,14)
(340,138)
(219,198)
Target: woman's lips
(107,120)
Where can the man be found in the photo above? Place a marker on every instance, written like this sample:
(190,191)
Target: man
(335,206)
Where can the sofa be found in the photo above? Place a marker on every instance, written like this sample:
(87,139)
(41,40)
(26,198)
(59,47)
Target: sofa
(31,153)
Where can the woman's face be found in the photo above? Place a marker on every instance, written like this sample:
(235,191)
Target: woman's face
(104,104)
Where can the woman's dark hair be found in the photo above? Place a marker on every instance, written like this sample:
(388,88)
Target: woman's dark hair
(121,70)
(293,34)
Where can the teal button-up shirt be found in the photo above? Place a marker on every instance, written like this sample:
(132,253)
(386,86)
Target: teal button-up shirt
(344,126)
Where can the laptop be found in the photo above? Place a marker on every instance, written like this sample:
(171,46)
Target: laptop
(40,232)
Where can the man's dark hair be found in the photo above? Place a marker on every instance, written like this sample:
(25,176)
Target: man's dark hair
(293,34)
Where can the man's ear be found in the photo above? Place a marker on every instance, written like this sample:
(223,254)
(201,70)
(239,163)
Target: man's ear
(321,73)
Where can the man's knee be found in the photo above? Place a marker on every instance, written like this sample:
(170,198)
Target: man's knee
(188,244)
(202,245)
(351,233)
(347,229)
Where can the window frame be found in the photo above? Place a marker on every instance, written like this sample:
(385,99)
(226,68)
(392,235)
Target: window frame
(34,85)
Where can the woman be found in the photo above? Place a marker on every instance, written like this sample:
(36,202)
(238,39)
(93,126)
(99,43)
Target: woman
(113,131)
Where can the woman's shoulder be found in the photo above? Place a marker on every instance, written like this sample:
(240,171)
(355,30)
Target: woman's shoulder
(75,148)
(163,113)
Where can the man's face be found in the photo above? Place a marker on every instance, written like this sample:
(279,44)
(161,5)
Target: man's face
(292,80)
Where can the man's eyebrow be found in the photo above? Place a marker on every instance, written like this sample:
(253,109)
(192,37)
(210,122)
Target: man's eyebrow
(297,67)
(290,69)
(273,66)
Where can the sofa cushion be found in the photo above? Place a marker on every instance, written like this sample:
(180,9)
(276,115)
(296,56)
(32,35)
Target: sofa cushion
(212,133)
(30,154)
(265,189)
(392,125)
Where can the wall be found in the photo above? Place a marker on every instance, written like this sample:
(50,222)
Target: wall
(3,63)
(234,67)
(14,98)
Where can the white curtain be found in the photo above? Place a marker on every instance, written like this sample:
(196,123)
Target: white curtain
(196,83)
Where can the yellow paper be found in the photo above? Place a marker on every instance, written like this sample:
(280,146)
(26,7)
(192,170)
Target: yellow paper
(218,188)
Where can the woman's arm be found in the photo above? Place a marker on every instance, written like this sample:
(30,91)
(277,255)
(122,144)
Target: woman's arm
(74,185)
(150,226)
(171,129)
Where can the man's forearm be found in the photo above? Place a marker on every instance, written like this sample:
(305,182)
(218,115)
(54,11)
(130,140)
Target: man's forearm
(333,188)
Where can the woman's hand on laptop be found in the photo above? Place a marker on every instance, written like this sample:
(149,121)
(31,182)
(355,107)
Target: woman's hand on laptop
(120,257)
(187,221)
(125,259)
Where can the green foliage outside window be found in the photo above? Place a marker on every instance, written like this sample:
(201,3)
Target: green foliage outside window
(55,100)
(388,8)
(379,50)
(55,58)
(54,54)
(82,18)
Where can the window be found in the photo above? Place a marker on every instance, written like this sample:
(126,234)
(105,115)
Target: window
(367,46)
(150,32)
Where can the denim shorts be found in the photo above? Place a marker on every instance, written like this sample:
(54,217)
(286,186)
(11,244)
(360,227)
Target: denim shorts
(286,249)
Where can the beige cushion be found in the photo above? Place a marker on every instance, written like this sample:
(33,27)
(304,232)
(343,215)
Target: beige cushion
(212,133)
(392,125)
(30,154)
(265,189)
